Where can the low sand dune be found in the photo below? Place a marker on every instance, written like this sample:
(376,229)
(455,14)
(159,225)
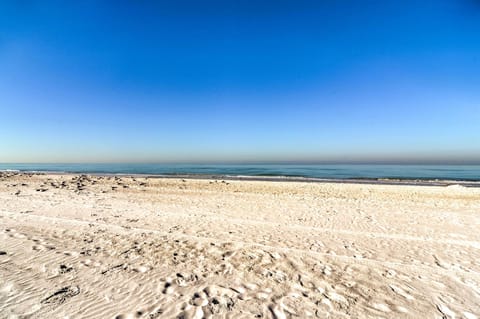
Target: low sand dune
(134,247)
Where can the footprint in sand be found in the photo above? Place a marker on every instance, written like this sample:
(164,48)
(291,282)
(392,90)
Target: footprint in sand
(60,296)
(184,279)
(167,288)
(63,269)
(199,299)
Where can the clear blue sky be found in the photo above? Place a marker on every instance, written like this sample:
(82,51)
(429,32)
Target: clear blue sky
(239,81)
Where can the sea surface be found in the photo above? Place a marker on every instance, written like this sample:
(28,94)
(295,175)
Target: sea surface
(330,171)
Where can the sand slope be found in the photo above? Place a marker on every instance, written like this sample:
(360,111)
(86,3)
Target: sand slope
(123,247)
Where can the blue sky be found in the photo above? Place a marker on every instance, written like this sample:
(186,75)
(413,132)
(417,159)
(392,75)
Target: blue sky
(140,81)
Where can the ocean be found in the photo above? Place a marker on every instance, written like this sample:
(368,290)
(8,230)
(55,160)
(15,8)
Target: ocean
(324,171)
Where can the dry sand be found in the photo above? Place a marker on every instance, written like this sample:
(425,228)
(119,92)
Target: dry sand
(133,247)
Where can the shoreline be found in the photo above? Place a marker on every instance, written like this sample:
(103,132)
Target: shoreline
(271,178)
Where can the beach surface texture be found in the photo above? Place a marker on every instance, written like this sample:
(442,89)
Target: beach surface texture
(76,246)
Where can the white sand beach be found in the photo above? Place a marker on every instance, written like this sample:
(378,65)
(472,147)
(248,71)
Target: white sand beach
(136,247)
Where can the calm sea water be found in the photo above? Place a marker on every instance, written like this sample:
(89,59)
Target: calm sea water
(430,172)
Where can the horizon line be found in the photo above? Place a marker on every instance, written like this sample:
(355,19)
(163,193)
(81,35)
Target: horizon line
(252,162)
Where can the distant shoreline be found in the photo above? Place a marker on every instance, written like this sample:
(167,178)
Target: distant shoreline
(272,178)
